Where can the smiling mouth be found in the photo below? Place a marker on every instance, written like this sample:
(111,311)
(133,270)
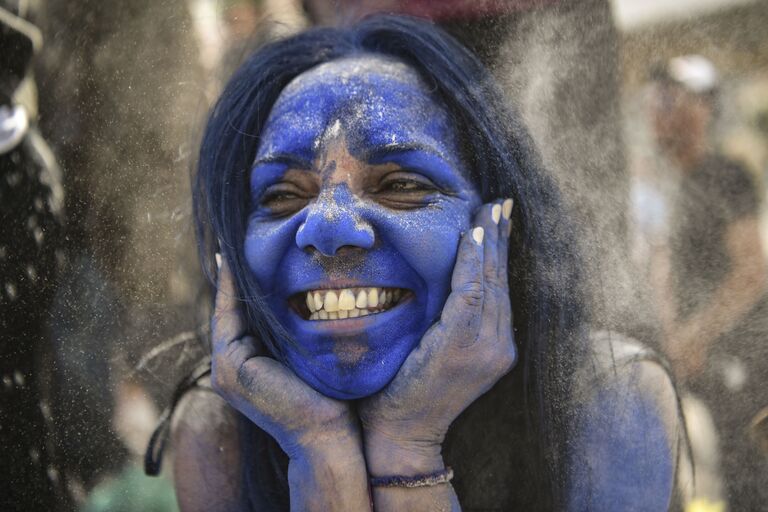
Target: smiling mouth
(346,302)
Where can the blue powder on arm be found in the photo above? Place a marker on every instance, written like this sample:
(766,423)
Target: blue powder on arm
(622,457)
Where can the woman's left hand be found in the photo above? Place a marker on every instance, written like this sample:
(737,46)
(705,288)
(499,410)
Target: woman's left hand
(458,359)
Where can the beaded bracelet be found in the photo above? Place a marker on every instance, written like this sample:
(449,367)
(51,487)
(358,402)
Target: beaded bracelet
(428,480)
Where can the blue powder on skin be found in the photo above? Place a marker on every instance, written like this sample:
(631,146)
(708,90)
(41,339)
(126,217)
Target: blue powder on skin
(623,451)
(336,132)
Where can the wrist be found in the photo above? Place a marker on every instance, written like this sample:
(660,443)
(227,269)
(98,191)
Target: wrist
(327,445)
(329,478)
(336,459)
(386,455)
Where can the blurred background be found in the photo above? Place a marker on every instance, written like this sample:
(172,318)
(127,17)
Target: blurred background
(651,115)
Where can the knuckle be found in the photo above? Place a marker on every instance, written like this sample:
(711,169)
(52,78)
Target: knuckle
(498,360)
(246,374)
(472,294)
(494,286)
(230,352)
(218,381)
(506,360)
(222,363)
(466,340)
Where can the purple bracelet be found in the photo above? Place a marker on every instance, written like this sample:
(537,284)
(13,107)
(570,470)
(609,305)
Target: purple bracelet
(428,480)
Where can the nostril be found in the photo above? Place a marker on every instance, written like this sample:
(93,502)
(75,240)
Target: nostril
(328,236)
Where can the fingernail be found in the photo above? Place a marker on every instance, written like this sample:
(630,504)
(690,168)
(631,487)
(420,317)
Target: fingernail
(477,235)
(506,208)
(496,213)
(217,256)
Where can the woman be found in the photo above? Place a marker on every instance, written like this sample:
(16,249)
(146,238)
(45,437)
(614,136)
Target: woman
(391,248)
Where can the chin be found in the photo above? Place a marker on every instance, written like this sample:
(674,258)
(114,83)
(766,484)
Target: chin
(357,365)
(352,388)
(347,355)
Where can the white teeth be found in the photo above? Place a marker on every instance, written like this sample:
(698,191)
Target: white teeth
(373,297)
(350,302)
(311,303)
(362,300)
(331,302)
(346,300)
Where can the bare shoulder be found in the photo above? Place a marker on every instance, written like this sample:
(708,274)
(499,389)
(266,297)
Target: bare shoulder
(206,448)
(625,448)
(619,362)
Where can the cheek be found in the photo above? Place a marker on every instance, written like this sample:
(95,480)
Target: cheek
(266,245)
(428,239)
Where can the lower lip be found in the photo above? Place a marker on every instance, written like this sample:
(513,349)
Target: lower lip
(353,324)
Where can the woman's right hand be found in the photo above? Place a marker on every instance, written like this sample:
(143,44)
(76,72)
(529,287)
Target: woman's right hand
(320,435)
(263,389)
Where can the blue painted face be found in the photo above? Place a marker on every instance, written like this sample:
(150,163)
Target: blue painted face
(359,198)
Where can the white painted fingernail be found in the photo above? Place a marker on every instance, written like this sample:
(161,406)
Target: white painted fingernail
(477,235)
(506,208)
(217,256)
(496,213)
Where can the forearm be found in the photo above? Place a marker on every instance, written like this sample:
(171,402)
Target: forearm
(332,477)
(385,457)
(742,286)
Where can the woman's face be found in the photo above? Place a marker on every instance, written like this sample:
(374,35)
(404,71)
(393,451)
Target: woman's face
(359,198)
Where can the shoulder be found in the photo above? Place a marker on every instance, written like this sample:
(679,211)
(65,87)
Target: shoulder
(206,452)
(616,361)
(626,439)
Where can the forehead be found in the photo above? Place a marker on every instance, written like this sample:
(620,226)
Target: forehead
(356,74)
(376,101)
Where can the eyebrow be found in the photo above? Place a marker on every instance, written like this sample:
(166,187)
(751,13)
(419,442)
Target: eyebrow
(380,153)
(291,160)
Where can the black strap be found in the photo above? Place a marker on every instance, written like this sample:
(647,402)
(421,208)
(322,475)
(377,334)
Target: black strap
(153,458)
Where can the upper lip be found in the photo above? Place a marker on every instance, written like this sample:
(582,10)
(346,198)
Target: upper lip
(342,284)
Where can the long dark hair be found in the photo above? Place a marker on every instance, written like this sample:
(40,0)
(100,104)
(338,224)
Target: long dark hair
(543,264)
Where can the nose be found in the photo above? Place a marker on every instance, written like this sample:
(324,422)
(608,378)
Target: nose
(333,222)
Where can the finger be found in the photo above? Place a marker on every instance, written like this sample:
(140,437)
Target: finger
(505,309)
(505,227)
(489,217)
(464,304)
(271,394)
(227,323)
(270,386)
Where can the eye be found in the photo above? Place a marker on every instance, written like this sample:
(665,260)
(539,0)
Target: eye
(404,185)
(281,199)
(405,189)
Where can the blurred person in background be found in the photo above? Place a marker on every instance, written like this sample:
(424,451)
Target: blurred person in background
(712,299)
(31,223)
